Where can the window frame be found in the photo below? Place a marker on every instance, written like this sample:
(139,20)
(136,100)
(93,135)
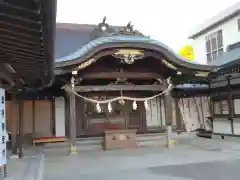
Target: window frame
(212,54)
(238,24)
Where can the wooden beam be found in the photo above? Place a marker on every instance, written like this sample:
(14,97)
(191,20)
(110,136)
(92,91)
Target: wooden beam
(20,27)
(20,127)
(114,75)
(10,38)
(15,51)
(18,62)
(28,50)
(6,78)
(19,34)
(19,8)
(119,87)
(12,54)
(14,17)
(21,45)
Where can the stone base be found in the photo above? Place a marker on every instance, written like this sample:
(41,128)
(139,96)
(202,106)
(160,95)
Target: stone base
(217,137)
(169,135)
(73,150)
(14,156)
(119,139)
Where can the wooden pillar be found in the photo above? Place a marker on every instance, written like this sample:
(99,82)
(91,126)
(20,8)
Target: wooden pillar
(33,117)
(53,117)
(230,105)
(178,114)
(20,127)
(169,118)
(211,104)
(14,123)
(72,107)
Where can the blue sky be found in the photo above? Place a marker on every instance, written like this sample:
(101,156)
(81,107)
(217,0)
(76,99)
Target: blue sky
(169,21)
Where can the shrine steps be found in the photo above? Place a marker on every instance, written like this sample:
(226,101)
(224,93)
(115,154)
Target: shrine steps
(95,143)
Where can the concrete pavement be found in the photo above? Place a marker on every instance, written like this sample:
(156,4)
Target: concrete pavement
(192,159)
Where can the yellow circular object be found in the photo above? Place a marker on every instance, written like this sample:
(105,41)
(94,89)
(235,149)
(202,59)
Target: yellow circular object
(187,52)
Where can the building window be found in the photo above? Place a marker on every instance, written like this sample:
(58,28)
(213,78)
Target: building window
(214,46)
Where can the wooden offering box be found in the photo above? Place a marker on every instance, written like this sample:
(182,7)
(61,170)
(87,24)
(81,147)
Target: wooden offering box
(119,139)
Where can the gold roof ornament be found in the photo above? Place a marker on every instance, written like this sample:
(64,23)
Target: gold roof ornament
(169,64)
(86,63)
(129,51)
(129,56)
(202,74)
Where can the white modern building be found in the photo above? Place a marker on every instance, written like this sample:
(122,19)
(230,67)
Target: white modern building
(219,34)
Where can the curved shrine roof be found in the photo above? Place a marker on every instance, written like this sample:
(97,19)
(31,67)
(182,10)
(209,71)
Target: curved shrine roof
(78,42)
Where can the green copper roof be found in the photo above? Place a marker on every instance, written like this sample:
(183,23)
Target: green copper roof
(117,39)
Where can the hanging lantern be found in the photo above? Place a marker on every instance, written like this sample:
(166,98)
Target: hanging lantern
(134,105)
(146,105)
(109,107)
(98,108)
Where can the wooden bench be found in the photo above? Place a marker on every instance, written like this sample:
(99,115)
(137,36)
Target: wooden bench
(48,140)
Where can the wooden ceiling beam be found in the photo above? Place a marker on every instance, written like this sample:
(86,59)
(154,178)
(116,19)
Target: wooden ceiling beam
(155,88)
(20,35)
(6,77)
(115,75)
(27,29)
(12,7)
(21,49)
(24,41)
(19,61)
(29,73)
(20,45)
(20,54)
(23,19)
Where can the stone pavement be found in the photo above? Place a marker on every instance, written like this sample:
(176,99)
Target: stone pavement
(192,159)
(26,168)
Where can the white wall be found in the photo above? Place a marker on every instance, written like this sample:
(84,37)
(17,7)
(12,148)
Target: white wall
(59,116)
(230,35)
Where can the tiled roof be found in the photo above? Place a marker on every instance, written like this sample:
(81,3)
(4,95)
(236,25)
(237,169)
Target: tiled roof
(70,37)
(94,43)
(228,59)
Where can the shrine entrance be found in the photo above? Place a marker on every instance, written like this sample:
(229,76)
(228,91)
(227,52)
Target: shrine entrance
(121,116)
(121,81)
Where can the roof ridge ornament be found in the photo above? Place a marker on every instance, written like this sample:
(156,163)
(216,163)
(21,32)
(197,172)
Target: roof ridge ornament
(103,29)
(103,26)
(130,31)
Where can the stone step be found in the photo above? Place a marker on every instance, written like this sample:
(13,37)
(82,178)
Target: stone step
(96,142)
(150,137)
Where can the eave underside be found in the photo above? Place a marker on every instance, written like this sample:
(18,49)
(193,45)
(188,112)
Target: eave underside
(26,42)
(143,76)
